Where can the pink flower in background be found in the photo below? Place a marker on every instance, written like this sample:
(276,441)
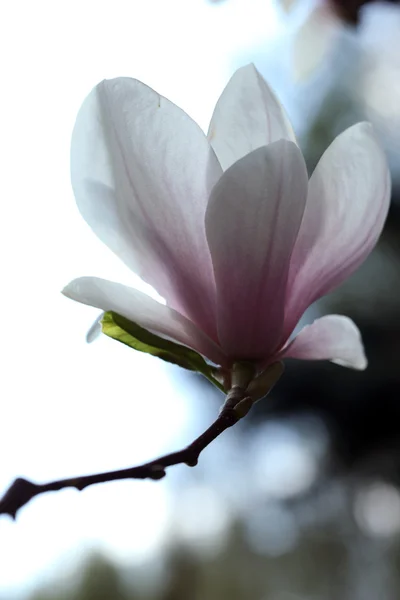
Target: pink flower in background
(320,31)
(349,11)
(228,227)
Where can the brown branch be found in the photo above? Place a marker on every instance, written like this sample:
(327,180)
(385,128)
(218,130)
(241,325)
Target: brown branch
(235,407)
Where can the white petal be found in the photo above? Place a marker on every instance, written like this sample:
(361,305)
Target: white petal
(252,221)
(143,310)
(247,115)
(334,338)
(95,329)
(142,172)
(348,200)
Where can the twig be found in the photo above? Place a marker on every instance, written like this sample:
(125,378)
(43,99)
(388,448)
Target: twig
(235,407)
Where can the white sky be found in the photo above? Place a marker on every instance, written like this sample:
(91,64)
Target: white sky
(54,387)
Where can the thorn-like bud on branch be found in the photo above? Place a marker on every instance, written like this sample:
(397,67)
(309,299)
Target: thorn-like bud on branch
(234,396)
(80,486)
(263,383)
(242,408)
(238,404)
(157,472)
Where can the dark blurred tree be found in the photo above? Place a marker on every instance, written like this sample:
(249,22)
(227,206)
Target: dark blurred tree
(101,580)
(98,579)
(327,563)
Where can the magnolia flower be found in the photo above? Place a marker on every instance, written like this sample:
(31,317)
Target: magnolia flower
(227,227)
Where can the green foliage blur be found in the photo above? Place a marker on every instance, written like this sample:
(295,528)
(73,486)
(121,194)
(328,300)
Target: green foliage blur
(329,563)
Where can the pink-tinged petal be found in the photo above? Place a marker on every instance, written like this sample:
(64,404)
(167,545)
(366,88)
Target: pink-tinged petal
(247,116)
(252,222)
(143,310)
(142,172)
(334,338)
(348,200)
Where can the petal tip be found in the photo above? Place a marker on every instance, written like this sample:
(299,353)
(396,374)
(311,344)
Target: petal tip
(250,67)
(335,338)
(357,360)
(363,128)
(95,329)
(363,364)
(66,291)
(359,363)
(73,288)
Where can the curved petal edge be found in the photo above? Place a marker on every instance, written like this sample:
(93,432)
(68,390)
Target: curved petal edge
(333,337)
(146,312)
(347,205)
(142,171)
(247,115)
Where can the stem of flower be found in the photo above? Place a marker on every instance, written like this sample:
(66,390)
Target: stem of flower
(22,490)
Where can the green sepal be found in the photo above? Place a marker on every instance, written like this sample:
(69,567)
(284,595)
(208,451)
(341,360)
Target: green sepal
(136,337)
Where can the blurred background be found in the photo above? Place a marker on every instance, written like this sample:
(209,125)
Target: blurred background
(301,501)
